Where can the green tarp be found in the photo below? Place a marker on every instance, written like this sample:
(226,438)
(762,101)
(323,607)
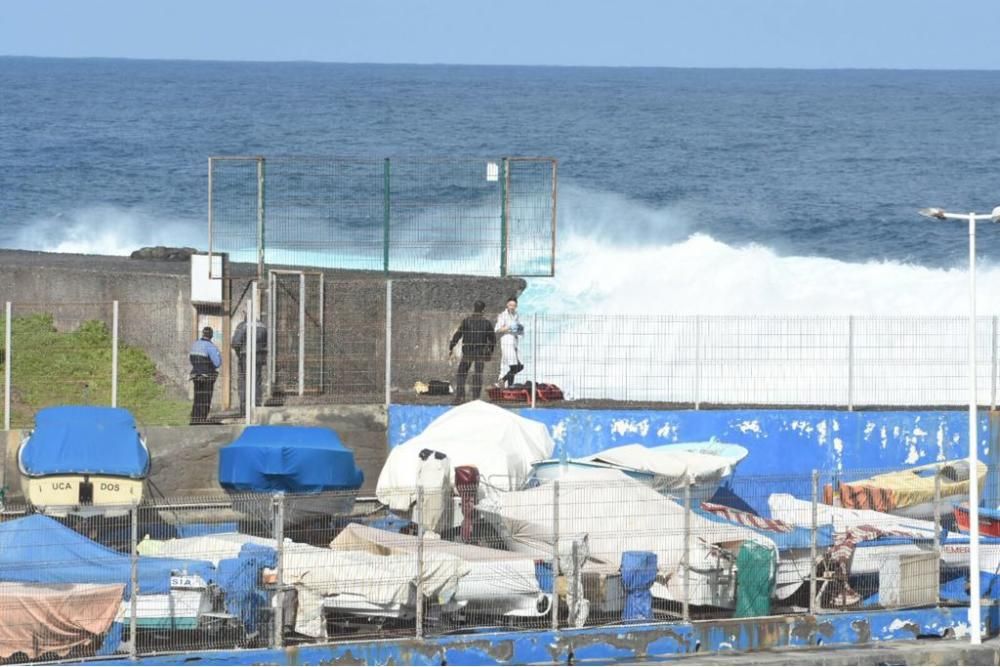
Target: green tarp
(755,569)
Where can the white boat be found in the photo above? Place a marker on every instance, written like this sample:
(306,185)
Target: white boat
(496,582)
(665,468)
(590,515)
(498,443)
(84,461)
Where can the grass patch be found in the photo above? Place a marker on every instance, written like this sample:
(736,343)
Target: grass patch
(49,367)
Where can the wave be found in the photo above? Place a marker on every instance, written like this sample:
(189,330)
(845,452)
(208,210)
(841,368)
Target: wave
(108,230)
(620,256)
(614,255)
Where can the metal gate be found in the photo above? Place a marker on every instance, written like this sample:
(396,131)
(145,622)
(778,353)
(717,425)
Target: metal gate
(295,314)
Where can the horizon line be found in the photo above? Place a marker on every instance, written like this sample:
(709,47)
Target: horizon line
(505,65)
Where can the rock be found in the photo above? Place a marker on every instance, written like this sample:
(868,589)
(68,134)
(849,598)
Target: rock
(164,254)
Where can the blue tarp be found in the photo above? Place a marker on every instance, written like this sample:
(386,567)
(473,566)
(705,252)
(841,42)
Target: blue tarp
(638,570)
(39,549)
(295,459)
(78,439)
(240,578)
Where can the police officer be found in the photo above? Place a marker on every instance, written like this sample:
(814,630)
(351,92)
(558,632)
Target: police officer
(478,341)
(205,361)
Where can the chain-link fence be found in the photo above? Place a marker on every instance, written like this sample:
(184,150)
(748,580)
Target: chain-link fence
(484,216)
(256,570)
(340,342)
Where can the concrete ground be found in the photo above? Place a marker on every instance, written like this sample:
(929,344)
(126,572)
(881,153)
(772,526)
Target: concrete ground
(918,652)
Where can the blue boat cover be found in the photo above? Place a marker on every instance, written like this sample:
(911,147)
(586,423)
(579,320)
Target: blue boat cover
(38,549)
(77,439)
(294,459)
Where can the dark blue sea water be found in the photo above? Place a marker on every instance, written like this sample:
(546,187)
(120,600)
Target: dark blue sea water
(738,185)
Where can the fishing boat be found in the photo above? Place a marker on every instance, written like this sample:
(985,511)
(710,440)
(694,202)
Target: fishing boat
(84,461)
(989,520)
(911,492)
(665,468)
(309,463)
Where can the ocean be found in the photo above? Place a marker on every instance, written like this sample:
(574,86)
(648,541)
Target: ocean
(682,191)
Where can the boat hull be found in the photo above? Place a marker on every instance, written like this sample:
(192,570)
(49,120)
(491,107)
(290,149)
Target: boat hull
(63,495)
(989,521)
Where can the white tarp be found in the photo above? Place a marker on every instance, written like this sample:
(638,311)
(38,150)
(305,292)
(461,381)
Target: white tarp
(610,517)
(501,444)
(493,574)
(673,465)
(791,510)
(316,572)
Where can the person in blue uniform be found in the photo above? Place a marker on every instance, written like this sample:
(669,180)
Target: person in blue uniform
(205,362)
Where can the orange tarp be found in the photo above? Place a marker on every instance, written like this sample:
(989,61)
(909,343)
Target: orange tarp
(36,619)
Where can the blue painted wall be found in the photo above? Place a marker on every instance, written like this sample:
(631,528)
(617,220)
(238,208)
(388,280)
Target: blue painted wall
(781,442)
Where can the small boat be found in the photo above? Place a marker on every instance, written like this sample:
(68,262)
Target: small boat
(910,493)
(173,593)
(989,520)
(310,463)
(665,468)
(84,461)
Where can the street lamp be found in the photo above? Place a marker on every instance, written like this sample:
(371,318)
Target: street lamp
(974,592)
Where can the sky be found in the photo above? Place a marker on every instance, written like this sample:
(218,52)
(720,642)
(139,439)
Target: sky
(803,34)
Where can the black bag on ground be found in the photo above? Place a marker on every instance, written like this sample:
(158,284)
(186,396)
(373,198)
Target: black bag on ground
(438,388)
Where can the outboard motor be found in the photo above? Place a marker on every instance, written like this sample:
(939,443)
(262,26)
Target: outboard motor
(434,477)
(467,485)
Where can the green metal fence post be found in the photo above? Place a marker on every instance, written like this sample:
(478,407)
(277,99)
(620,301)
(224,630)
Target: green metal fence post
(504,194)
(385,216)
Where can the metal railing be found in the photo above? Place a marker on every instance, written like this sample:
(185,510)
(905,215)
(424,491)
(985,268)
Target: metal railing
(257,570)
(135,355)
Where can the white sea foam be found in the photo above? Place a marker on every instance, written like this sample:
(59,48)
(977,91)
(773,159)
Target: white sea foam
(612,258)
(108,230)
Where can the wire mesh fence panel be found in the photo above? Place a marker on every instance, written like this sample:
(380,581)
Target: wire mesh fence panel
(921,361)
(324,212)
(797,361)
(457,215)
(632,358)
(530,211)
(446,216)
(235,207)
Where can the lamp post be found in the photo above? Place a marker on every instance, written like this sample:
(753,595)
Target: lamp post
(974,589)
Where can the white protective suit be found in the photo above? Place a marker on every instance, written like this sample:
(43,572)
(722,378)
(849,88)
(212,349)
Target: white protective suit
(508,341)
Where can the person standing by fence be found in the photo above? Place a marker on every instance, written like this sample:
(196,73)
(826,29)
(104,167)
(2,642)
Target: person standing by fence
(205,362)
(510,329)
(239,345)
(478,342)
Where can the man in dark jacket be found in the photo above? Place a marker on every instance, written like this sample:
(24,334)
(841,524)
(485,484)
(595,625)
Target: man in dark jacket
(240,347)
(478,341)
